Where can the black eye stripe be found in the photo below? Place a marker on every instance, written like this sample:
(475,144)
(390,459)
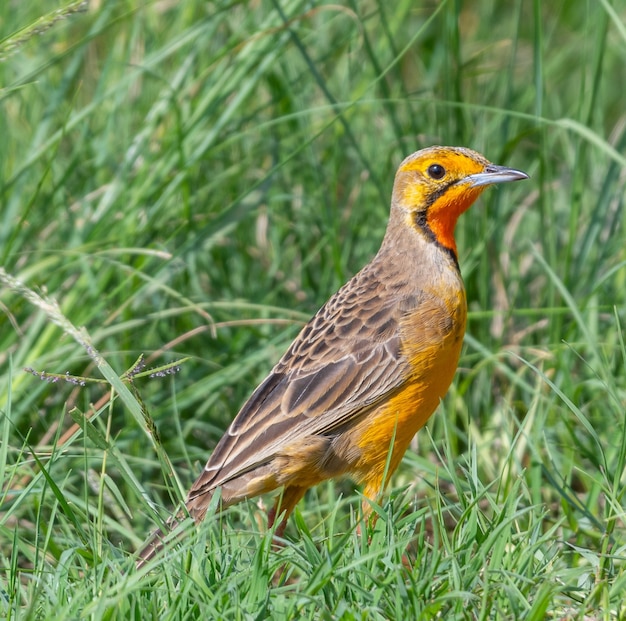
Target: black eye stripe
(436,171)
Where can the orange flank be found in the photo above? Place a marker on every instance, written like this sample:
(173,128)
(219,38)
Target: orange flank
(435,363)
(369,369)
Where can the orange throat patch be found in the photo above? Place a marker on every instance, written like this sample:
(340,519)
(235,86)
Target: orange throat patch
(443,214)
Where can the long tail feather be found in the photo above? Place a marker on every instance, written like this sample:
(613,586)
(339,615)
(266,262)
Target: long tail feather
(160,539)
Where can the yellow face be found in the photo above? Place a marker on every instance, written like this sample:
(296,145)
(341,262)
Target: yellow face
(457,163)
(436,185)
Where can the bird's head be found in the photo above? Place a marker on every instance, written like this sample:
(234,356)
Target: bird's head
(434,186)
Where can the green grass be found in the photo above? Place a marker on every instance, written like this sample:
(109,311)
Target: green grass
(191,180)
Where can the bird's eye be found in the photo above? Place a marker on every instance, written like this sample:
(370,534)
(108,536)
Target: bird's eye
(436,171)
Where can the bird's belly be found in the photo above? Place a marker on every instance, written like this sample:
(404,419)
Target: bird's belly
(432,338)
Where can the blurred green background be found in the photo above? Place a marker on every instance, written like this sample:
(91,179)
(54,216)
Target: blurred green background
(193,180)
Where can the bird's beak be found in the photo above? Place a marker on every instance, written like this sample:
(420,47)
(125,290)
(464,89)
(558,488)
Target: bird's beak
(495,174)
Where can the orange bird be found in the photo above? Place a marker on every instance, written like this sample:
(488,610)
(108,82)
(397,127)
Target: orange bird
(368,370)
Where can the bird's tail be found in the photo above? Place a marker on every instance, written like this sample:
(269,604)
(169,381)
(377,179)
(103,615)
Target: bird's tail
(160,538)
(174,529)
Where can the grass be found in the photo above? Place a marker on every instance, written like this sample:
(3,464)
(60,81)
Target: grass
(190,181)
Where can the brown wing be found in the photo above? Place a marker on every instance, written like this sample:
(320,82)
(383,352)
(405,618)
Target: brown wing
(344,361)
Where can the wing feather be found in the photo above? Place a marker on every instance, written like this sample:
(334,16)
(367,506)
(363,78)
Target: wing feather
(345,361)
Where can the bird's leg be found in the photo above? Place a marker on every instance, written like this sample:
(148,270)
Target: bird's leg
(284,505)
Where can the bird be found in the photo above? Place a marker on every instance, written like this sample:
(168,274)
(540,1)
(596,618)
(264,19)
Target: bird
(370,367)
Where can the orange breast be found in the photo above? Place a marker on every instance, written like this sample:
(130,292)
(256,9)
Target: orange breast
(432,337)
